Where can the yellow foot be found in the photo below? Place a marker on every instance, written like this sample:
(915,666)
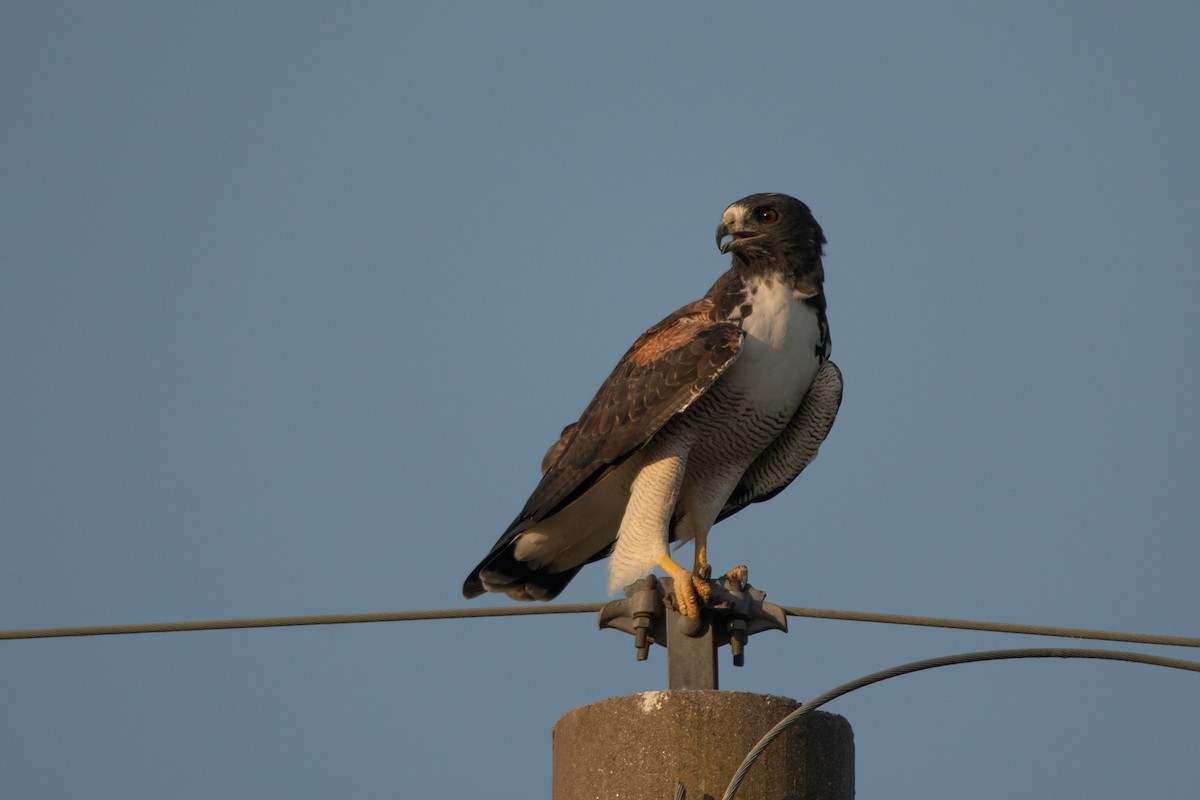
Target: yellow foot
(739,575)
(690,591)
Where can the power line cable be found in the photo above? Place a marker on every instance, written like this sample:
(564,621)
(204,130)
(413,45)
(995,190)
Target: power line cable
(577,608)
(933,663)
(994,627)
(280,622)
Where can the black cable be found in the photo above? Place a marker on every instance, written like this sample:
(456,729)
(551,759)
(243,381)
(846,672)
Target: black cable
(932,663)
(277,622)
(577,608)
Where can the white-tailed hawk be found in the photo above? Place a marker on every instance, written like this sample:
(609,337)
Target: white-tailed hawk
(718,406)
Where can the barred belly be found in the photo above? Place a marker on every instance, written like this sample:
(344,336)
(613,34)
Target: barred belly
(726,432)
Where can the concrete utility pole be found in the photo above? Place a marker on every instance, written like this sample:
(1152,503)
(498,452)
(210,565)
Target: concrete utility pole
(641,746)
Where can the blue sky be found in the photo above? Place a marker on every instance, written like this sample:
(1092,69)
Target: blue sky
(293,297)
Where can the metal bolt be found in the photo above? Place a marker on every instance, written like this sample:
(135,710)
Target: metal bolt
(641,625)
(737,640)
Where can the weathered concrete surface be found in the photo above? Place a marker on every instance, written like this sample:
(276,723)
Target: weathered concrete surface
(637,747)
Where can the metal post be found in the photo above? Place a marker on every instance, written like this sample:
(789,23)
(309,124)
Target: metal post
(691,657)
(643,746)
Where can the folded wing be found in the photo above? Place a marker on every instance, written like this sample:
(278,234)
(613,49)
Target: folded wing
(665,370)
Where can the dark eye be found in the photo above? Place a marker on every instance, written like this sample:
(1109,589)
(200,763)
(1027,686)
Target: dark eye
(767,216)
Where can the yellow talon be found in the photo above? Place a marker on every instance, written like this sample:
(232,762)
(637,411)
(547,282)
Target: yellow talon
(687,590)
(740,576)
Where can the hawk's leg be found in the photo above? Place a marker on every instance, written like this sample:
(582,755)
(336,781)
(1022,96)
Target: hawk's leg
(645,526)
(701,567)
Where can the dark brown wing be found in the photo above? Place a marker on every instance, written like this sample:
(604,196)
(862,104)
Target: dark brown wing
(667,368)
(557,448)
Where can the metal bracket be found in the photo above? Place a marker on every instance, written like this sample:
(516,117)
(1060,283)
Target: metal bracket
(733,611)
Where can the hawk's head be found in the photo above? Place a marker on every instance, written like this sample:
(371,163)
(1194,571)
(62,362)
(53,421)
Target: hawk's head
(770,227)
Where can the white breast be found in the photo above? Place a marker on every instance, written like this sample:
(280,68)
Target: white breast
(778,360)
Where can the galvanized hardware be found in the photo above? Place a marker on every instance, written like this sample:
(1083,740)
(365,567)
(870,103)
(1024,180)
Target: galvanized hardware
(733,611)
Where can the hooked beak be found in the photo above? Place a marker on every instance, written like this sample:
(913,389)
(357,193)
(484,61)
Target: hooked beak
(722,232)
(735,234)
